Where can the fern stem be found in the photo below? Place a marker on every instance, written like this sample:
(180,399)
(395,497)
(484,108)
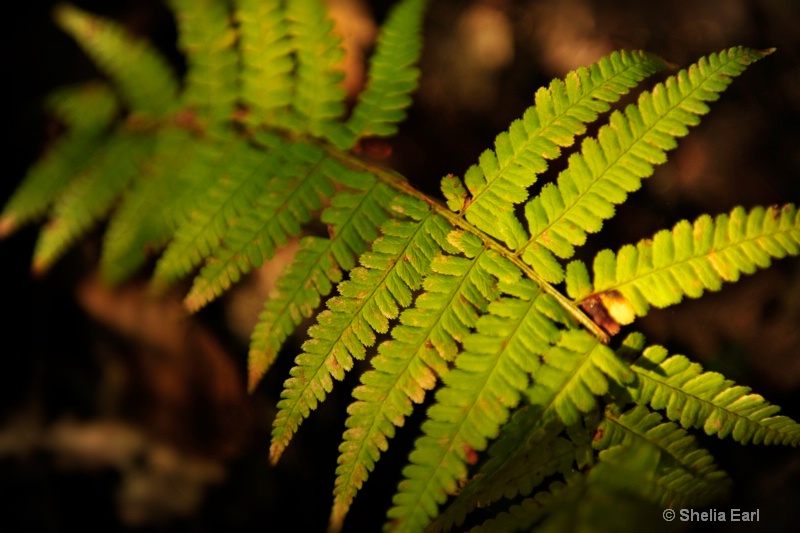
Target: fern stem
(398,182)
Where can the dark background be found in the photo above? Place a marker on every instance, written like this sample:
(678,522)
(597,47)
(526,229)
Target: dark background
(118,412)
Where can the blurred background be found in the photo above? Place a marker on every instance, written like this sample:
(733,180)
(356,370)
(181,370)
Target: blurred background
(120,412)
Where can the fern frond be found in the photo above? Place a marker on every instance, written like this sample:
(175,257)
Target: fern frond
(619,490)
(318,94)
(144,79)
(392,74)
(573,373)
(266,61)
(91,195)
(86,110)
(243,176)
(423,344)
(528,450)
(475,400)
(297,190)
(624,152)
(566,381)
(707,400)
(354,218)
(525,515)
(692,258)
(616,493)
(688,473)
(85,107)
(207,38)
(501,178)
(179,168)
(375,294)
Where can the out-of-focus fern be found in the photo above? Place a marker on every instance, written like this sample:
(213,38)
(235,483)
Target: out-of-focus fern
(535,413)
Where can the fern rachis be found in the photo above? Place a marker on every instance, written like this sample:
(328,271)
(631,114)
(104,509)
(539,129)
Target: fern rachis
(460,298)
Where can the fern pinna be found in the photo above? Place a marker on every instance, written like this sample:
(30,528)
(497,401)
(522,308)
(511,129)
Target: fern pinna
(459,297)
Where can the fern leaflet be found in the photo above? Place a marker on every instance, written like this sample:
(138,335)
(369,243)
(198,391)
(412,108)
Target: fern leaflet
(141,75)
(200,233)
(392,74)
(689,475)
(374,295)
(90,195)
(318,96)
(707,400)
(265,76)
(354,217)
(688,260)
(287,202)
(475,400)
(423,344)
(210,91)
(502,177)
(86,110)
(624,152)
(179,169)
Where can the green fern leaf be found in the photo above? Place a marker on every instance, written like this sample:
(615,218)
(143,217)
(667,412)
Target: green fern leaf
(423,344)
(374,295)
(624,152)
(295,192)
(564,387)
(502,177)
(181,167)
(143,78)
(574,373)
(695,257)
(527,451)
(318,94)
(86,110)
(91,195)
(488,381)
(354,219)
(392,73)
(267,63)
(241,179)
(526,514)
(210,85)
(86,107)
(688,474)
(707,400)
(617,492)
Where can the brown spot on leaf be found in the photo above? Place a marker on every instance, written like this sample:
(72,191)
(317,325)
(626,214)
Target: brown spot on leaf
(373,149)
(593,305)
(471,456)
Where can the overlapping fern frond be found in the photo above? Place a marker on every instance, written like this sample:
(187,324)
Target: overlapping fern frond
(215,174)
